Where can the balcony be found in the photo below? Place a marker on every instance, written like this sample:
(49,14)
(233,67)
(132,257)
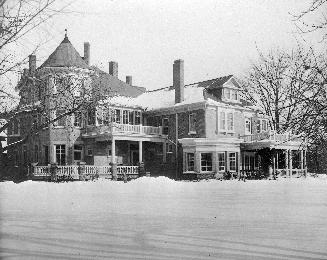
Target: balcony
(271,136)
(114,128)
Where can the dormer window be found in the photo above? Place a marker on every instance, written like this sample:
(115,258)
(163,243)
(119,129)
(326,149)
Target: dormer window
(231,94)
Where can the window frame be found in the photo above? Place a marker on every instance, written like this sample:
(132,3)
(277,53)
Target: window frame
(230,124)
(248,122)
(62,154)
(165,126)
(192,123)
(234,161)
(221,163)
(79,151)
(208,166)
(190,167)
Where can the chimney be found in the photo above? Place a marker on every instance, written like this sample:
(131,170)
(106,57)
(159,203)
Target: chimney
(87,53)
(113,68)
(32,64)
(129,80)
(178,80)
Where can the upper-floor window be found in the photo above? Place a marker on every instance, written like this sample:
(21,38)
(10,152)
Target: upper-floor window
(264,124)
(131,117)
(60,119)
(231,94)
(137,117)
(230,121)
(165,126)
(192,122)
(78,119)
(222,124)
(248,125)
(125,116)
(116,116)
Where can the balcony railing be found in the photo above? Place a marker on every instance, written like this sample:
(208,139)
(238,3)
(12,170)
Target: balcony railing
(271,136)
(123,128)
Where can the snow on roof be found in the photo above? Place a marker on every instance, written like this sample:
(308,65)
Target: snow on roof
(157,99)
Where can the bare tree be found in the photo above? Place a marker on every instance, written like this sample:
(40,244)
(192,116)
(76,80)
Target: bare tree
(18,19)
(290,87)
(317,11)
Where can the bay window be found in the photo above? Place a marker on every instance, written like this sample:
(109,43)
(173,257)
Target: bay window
(232,161)
(221,161)
(206,162)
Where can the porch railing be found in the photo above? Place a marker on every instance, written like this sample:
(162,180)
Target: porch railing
(74,171)
(271,136)
(123,128)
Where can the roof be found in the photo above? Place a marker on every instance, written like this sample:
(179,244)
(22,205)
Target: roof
(65,55)
(165,97)
(109,85)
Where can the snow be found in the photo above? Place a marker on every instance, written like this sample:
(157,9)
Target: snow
(158,218)
(157,99)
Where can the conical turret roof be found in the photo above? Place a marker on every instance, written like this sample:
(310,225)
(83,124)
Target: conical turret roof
(65,55)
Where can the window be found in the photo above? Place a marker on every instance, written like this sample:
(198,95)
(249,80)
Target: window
(61,120)
(192,122)
(230,121)
(234,94)
(222,120)
(232,161)
(227,93)
(24,153)
(36,153)
(247,162)
(137,117)
(78,119)
(165,126)
(130,117)
(125,117)
(190,162)
(221,161)
(258,126)
(46,154)
(116,116)
(91,117)
(106,116)
(206,162)
(99,114)
(264,125)
(78,149)
(248,125)
(169,148)
(89,151)
(61,154)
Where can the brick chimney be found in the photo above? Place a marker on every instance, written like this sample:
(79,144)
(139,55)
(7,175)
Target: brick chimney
(87,53)
(32,64)
(178,80)
(129,80)
(113,68)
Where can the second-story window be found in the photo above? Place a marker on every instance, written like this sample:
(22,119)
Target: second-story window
(222,124)
(192,122)
(165,126)
(61,120)
(125,116)
(248,125)
(137,117)
(264,125)
(258,126)
(227,93)
(78,119)
(230,121)
(116,116)
(234,95)
(130,117)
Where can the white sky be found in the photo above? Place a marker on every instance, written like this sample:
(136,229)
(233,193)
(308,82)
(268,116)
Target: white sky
(214,37)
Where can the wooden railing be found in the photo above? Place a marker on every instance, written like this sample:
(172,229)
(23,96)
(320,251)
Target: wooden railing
(129,170)
(97,170)
(41,171)
(271,136)
(123,128)
(69,171)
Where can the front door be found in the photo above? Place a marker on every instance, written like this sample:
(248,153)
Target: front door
(134,157)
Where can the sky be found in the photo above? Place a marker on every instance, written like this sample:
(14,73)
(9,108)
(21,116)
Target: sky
(214,37)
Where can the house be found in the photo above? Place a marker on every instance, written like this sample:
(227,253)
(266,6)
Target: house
(199,130)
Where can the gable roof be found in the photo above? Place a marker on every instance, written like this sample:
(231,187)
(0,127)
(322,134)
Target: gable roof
(218,82)
(108,85)
(65,55)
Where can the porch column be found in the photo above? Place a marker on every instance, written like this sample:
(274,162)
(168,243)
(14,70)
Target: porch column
(291,162)
(197,161)
(302,163)
(140,151)
(286,162)
(239,158)
(305,162)
(277,159)
(215,162)
(273,165)
(113,159)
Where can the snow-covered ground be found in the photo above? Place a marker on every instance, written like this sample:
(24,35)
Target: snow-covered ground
(157,218)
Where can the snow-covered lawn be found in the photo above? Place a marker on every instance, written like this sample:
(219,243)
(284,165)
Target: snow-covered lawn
(157,218)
